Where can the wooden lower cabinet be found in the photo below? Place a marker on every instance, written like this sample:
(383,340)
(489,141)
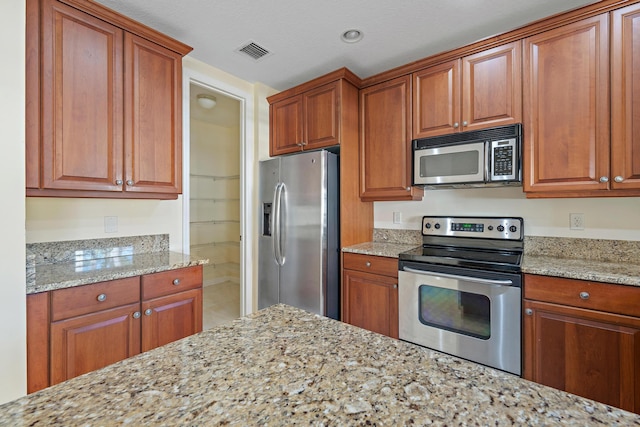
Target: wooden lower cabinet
(170,318)
(76,330)
(85,343)
(370,293)
(585,351)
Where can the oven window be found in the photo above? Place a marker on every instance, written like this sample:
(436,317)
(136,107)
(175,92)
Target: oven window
(450,164)
(457,311)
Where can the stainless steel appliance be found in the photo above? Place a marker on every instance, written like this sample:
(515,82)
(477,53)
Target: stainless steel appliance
(460,292)
(298,243)
(483,158)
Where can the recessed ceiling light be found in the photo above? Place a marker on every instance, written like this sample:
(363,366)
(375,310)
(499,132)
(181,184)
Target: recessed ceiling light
(351,36)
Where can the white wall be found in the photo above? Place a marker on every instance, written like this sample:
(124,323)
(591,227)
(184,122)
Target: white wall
(54,219)
(605,218)
(13,371)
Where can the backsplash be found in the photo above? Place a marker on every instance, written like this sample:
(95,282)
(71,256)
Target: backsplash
(602,250)
(619,251)
(90,249)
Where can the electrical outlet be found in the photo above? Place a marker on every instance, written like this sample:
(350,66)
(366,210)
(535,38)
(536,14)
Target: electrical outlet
(576,221)
(397,217)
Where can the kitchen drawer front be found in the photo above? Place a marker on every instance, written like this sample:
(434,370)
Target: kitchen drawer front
(619,299)
(79,300)
(172,281)
(371,264)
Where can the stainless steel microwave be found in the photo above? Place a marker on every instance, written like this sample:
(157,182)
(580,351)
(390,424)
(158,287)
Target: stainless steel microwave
(483,158)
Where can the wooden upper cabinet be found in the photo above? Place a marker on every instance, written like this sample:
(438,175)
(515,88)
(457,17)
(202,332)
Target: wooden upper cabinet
(476,92)
(321,117)
(82,125)
(104,112)
(286,126)
(385,142)
(307,121)
(492,87)
(436,103)
(625,99)
(566,119)
(153,114)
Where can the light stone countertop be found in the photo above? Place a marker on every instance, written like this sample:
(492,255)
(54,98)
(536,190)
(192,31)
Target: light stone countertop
(48,277)
(283,366)
(386,249)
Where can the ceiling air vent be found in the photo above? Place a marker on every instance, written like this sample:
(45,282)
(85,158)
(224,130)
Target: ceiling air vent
(253,50)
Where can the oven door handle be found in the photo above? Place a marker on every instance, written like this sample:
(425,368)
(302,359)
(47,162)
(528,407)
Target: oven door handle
(457,277)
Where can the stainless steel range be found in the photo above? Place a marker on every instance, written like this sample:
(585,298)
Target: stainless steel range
(460,292)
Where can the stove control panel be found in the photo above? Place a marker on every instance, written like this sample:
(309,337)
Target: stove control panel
(510,228)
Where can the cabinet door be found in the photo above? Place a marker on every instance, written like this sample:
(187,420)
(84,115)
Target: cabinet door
(371,302)
(286,126)
(385,142)
(153,112)
(86,343)
(625,99)
(321,108)
(566,113)
(492,88)
(436,100)
(81,83)
(585,352)
(170,318)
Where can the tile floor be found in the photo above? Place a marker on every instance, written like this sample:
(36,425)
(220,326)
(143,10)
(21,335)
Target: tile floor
(220,304)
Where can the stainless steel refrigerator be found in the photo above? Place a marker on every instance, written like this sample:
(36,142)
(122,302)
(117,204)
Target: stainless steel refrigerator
(299,233)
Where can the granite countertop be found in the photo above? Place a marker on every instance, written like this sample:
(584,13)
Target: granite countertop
(48,277)
(283,366)
(388,249)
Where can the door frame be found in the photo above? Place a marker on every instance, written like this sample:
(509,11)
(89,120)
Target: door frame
(247,171)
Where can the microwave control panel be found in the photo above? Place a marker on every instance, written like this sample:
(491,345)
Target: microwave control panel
(504,160)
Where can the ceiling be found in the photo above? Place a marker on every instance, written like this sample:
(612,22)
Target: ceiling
(303,36)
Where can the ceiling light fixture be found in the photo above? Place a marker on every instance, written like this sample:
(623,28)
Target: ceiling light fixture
(207,101)
(351,36)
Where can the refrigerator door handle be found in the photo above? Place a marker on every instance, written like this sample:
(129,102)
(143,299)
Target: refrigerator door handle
(276,226)
(282,231)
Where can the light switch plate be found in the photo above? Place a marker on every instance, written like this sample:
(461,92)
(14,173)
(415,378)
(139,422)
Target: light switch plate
(110,224)
(397,217)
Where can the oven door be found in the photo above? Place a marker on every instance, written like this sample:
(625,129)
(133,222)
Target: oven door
(454,164)
(467,313)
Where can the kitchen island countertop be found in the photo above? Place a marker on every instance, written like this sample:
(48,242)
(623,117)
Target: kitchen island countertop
(282,366)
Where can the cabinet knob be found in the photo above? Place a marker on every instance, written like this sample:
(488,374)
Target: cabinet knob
(136,315)
(118,182)
(304,143)
(465,123)
(176,282)
(129,182)
(584,295)
(456,125)
(408,188)
(395,286)
(618,179)
(528,311)
(368,264)
(102,297)
(148,312)
(604,179)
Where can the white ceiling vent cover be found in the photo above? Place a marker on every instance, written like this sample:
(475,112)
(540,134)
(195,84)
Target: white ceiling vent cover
(254,50)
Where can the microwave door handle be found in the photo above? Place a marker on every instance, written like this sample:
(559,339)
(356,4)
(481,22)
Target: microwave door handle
(488,161)
(457,277)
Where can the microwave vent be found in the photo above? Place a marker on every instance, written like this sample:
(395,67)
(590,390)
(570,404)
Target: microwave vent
(501,132)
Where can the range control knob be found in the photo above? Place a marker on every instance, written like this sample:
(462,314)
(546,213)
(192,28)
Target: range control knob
(437,226)
(490,228)
(500,228)
(427,225)
(513,229)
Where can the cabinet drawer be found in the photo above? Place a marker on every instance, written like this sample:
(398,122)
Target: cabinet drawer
(79,300)
(611,298)
(172,281)
(371,264)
